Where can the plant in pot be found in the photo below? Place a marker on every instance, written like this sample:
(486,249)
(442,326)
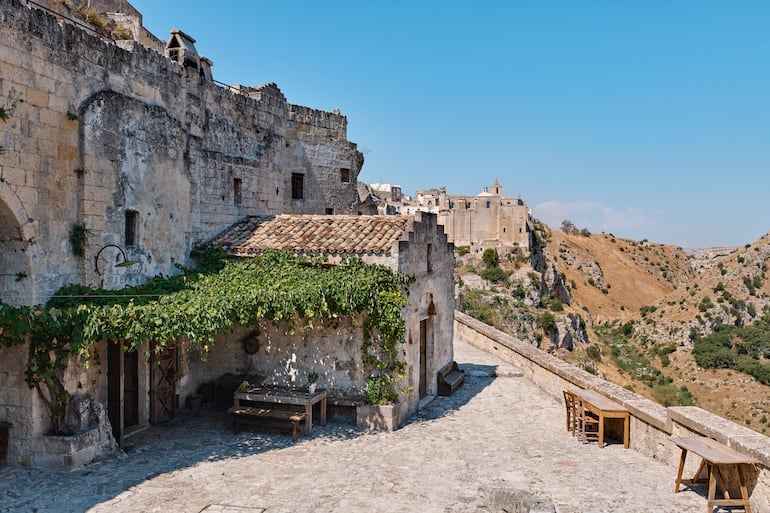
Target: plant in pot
(312,382)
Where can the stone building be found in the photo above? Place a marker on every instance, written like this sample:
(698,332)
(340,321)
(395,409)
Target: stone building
(144,151)
(414,245)
(488,220)
(124,152)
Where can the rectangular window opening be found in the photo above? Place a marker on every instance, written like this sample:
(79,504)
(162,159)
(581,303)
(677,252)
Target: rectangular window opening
(345,175)
(132,221)
(297,186)
(237,192)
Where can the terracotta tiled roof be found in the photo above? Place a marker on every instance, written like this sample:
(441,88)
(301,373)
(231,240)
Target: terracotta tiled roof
(314,234)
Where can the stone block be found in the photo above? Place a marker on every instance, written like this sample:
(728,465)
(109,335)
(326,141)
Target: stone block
(67,152)
(37,98)
(379,417)
(495,499)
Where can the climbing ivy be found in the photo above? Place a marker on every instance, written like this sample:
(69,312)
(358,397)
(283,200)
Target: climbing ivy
(298,292)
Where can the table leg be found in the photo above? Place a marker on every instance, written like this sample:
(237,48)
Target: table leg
(681,468)
(626,430)
(744,490)
(601,430)
(712,488)
(323,411)
(309,419)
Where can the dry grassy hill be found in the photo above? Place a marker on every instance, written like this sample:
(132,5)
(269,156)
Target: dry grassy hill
(667,296)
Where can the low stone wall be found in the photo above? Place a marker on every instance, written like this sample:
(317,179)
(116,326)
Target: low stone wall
(652,425)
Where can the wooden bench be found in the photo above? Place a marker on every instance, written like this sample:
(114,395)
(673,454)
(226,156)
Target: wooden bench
(717,459)
(245,413)
(450,376)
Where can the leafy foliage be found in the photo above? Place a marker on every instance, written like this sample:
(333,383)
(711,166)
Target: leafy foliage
(279,287)
(739,348)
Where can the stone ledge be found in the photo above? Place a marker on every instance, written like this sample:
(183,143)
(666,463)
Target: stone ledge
(700,421)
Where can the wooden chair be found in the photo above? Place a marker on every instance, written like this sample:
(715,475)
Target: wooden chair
(569,405)
(587,424)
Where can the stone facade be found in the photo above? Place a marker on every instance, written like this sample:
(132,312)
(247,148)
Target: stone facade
(133,142)
(109,133)
(488,220)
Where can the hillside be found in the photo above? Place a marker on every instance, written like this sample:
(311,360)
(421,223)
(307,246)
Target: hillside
(662,298)
(639,314)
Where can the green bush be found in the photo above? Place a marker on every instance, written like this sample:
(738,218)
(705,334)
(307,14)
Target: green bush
(594,353)
(490,258)
(494,274)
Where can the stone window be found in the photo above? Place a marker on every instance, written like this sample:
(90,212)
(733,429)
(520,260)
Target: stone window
(430,257)
(132,222)
(345,175)
(237,192)
(489,204)
(297,186)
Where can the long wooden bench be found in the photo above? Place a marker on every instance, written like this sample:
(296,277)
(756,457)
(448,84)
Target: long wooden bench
(246,413)
(717,459)
(450,376)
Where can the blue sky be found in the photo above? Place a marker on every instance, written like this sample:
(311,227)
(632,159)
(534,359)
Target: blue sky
(645,119)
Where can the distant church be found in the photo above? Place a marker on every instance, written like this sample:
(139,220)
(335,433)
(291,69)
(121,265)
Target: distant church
(487,220)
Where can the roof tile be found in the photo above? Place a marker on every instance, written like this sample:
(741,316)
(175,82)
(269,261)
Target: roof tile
(317,234)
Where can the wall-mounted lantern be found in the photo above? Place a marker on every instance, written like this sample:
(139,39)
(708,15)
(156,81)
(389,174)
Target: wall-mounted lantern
(120,259)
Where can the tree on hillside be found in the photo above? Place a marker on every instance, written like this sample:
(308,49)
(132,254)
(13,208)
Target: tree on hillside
(568,226)
(490,257)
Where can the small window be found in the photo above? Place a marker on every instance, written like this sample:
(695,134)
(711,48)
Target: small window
(329,211)
(132,220)
(345,175)
(489,204)
(429,258)
(237,192)
(503,229)
(297,186)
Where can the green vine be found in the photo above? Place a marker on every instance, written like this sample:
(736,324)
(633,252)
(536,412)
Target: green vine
(298,292)
(78,238)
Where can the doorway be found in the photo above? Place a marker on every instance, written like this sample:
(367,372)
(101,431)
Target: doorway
(163,376)
(423,387)
(122,389)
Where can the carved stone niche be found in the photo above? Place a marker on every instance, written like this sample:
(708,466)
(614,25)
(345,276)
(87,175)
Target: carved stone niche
(250,342)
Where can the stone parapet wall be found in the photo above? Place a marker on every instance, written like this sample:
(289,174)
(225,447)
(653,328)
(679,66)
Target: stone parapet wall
(652,425)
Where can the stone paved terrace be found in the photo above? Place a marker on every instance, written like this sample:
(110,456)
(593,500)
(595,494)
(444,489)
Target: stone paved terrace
(493,432)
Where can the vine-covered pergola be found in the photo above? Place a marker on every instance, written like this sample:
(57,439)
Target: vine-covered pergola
(295,291)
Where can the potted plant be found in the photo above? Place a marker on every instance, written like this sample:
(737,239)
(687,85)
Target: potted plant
(312,379)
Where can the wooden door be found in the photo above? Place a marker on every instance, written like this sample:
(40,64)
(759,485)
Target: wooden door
(115,389)
(163,375)
(122,389)
(423,358)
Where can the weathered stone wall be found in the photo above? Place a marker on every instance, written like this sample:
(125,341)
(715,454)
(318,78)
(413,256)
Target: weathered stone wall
(431,299)
(99,128)
(652,425)
(333,352)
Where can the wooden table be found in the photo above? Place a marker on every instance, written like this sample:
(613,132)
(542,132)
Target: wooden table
(605,409)
(282,395)
(717,458)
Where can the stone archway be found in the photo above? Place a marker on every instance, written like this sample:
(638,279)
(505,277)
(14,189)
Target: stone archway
(15,272)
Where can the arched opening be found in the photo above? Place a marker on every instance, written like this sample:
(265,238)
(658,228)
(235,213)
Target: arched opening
(15,279)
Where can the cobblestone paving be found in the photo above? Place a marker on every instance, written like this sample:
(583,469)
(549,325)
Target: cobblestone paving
(494,431)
